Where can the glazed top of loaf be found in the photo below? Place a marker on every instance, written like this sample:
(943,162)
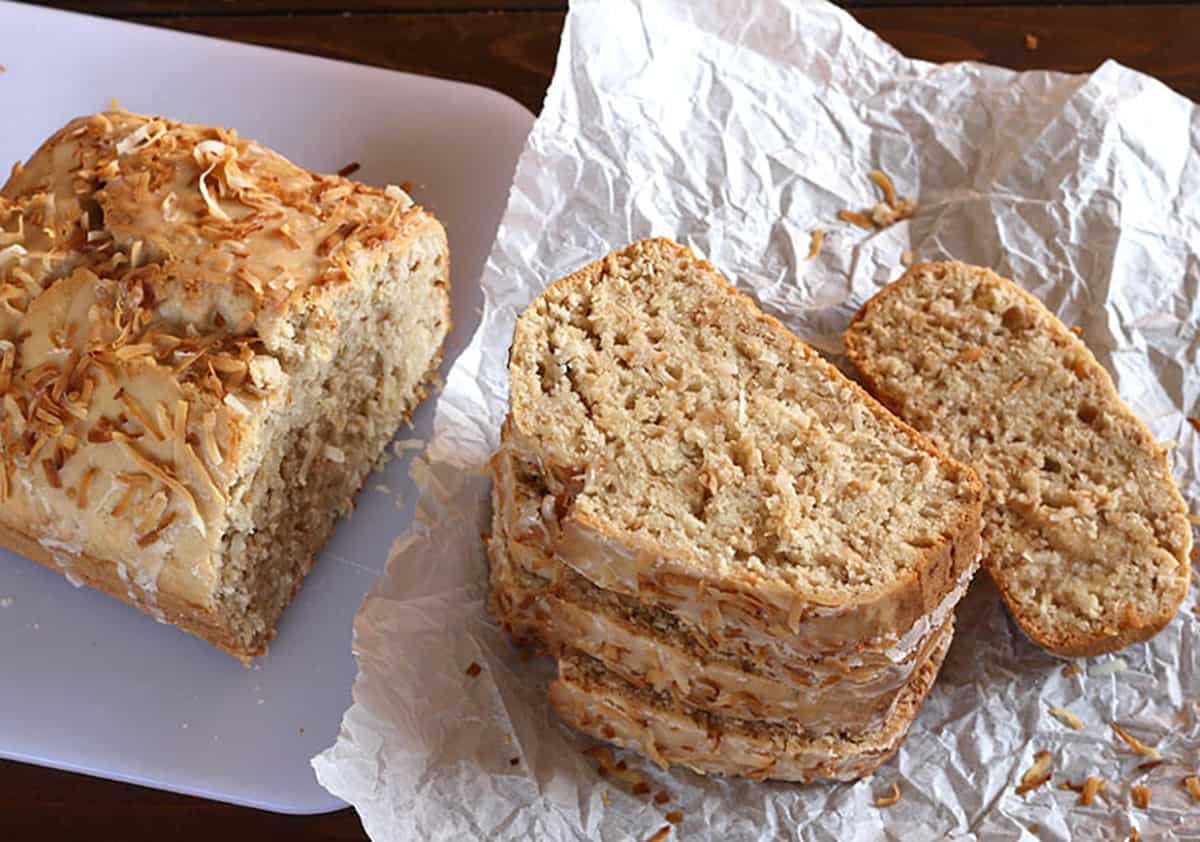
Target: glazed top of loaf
(159,282)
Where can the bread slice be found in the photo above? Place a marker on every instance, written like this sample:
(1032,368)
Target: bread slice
(688,441)
(596,701)
(1085,533)
(203,349)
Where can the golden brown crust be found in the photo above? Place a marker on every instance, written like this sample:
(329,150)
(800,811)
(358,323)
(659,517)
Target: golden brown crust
(1134,628)
(672,733)
(603,551)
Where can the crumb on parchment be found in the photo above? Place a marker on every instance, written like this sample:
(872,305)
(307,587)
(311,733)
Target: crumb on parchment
(1037,774)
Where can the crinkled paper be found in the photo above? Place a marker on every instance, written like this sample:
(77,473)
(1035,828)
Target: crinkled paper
(739,127)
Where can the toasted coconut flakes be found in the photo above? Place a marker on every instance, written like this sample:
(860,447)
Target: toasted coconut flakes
(1151,764)
(85,482)
(906,258)
(170,211)
(818,239)
(123,504)
(1071,669)
(208,440)
(285,231)
(1092,787)
(51,471)
(474,669)
(883,216)
(153,535)
(181,417)
(236,405)
(1140,795)
(1108,668)
(856,218)
(893,797)
(1067,718)
(139,412)
(1037,774)
(663,833)
(141,137)
(12,253)
(160,473)
(1192,783)
(1134,743)
(885,184)
(213,208)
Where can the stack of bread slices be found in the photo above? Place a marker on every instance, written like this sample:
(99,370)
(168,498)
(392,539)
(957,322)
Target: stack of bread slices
(741,561)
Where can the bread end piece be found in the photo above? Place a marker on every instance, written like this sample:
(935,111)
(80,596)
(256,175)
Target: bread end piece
(1085,533)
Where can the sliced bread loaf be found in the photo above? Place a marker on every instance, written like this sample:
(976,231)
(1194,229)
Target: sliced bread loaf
(687,439)
(1085,533)
(598,702)
(653,648)
(536,580)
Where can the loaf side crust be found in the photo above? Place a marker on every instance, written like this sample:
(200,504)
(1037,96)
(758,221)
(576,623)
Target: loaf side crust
(558,614)
(671,733)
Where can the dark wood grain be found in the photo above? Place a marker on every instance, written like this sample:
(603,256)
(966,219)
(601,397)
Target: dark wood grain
(300,8)
(510,45)
(49,805)
(513,52)
(1162,40)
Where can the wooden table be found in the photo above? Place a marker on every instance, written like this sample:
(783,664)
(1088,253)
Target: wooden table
(510,45)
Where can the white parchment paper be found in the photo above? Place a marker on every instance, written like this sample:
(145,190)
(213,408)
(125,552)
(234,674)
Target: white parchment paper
(738,127)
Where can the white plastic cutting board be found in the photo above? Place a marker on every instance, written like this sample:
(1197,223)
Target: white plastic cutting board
(91,685)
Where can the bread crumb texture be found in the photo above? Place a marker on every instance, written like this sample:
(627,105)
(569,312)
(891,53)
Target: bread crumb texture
(1085,532)
(685,417)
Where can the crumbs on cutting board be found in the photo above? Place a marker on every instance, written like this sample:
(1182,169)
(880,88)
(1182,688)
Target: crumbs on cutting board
(1031,41)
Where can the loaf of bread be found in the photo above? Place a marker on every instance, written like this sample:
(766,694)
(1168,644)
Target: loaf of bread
(711,528)
(1085,533)
(203,350)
